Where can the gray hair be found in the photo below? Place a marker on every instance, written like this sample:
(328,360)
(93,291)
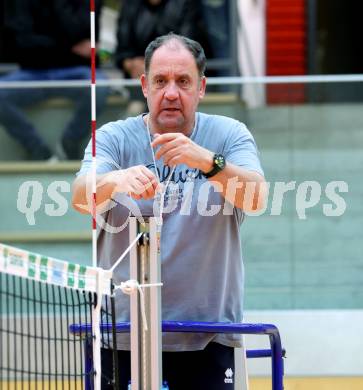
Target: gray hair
(192,46)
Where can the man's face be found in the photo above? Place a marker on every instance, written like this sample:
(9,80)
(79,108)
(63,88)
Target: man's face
(173,89)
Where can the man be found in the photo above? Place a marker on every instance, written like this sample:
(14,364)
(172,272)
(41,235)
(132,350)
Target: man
(50,41)
(217,176)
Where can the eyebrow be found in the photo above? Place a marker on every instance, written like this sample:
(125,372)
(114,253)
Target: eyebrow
(185,75)
(163,75)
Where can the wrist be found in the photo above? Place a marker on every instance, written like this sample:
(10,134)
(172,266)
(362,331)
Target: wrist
(219,163)
(206,163)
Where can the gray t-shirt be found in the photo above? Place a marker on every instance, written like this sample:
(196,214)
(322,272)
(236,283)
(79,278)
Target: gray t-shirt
(201,253)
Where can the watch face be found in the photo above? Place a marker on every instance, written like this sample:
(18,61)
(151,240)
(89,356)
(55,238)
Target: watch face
(219,161)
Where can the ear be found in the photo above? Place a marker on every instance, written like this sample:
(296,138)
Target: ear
(144,85)
(202,87)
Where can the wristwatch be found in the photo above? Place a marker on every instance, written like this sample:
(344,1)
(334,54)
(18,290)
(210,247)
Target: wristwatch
(219,162)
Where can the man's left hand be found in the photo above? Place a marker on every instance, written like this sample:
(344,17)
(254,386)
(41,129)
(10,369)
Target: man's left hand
(176,148)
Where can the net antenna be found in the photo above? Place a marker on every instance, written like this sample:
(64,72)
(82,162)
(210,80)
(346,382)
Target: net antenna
(93,128)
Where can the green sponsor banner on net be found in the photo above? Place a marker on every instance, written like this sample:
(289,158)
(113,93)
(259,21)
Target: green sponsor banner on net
(44,268)
(82,276)
(32,265)
(70,271)
(18,262)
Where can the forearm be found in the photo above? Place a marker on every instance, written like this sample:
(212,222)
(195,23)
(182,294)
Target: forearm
(243,188)
(82,198)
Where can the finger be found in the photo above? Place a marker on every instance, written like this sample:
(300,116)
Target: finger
(143,179)
(148,173)
(146,189)
(145,192)
(144,176)
(151,179)
(162,139)
(149,191)
(149,187)
(168,156)
(135,196)
(154,184)
(177,159)
(136,187)
(166,147)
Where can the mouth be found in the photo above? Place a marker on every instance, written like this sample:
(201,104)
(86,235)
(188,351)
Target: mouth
(171,109)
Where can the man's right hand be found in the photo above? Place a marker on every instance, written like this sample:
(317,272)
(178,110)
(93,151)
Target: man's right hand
(138,181)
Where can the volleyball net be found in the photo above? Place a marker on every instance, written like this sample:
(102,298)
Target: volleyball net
(40,297)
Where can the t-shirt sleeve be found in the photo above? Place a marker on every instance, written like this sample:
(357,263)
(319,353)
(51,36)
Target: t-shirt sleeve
(109,152)
(241,149)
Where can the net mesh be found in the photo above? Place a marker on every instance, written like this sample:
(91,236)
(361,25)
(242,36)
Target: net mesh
(40,299)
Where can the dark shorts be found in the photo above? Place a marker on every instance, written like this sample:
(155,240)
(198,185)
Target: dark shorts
(209,369)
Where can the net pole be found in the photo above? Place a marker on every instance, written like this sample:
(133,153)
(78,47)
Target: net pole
(155,305)
(134,311)
(145,267)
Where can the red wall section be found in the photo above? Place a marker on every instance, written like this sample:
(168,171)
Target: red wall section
(285,48)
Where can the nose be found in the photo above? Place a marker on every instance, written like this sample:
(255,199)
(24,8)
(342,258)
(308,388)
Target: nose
(171,91)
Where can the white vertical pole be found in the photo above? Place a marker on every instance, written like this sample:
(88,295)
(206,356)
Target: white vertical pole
(145,267)
(155,307)
(134,310)
(240,364)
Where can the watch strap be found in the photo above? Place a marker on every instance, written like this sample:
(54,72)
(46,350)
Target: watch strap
(219,163)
